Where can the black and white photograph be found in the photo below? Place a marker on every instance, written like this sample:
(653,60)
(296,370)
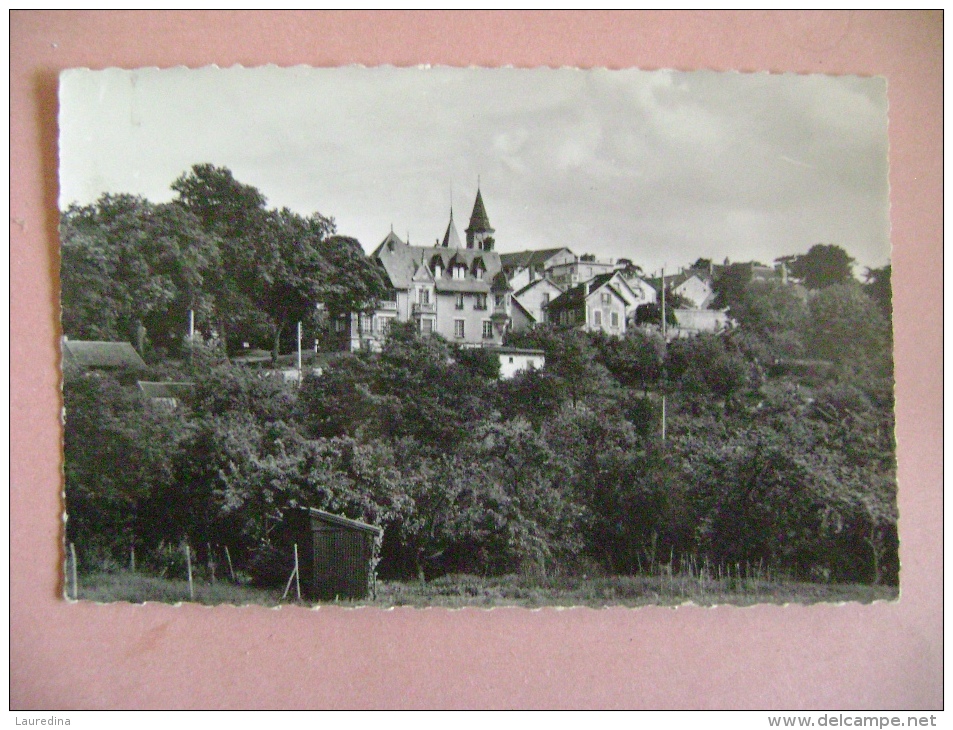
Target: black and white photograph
(476,337)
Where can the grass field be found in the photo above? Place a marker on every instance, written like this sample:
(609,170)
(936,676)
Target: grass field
(457,591)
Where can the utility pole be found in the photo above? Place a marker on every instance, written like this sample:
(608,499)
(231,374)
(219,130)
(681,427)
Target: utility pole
(299,354)
(191,337)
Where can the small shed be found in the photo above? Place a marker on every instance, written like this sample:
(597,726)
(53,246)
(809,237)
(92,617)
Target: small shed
(336,555)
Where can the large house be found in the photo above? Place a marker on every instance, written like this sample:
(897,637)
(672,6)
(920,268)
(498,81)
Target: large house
(524,267)
(455,289)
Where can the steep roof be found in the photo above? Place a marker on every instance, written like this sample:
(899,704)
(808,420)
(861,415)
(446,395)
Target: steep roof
(401,262)
(578,294)
(451,239)
(478,218)
(537,282)
(523,259)
(91,354)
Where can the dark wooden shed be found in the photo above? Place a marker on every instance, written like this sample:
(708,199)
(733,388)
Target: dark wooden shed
(336,555)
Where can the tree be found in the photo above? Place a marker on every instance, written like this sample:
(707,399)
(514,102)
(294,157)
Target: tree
(130,266)
(119,452)
(635,360)
(353,282)
(731,285)
(277,265)
(877,286)
(652,314)
(822,266)
(845,326)
(775,314)
(570,356)
(629,269)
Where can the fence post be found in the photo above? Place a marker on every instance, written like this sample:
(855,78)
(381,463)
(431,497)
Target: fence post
(72,553)
(211,560)
(230,569)
(297,574)
(188,564)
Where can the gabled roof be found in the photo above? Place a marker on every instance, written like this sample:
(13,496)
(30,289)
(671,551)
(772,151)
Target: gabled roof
(422,273)
(537,282)
(577,295)
(451,239)
(529,315)
(479,221)
(500,283)
(91,354)
(523,259)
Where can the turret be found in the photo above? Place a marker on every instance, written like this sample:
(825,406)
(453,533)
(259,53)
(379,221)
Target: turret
(479,232)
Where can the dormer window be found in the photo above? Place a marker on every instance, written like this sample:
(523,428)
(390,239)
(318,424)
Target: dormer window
(436,266)
(478,269)
(459,271)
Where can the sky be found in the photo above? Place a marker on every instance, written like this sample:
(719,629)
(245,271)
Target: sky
(661,167)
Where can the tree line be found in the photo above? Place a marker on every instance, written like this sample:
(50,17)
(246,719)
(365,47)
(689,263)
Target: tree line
(133,270)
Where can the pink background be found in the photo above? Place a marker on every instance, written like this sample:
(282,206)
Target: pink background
(885,656)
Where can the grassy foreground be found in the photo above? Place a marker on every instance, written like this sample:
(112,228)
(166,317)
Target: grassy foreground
(458,591)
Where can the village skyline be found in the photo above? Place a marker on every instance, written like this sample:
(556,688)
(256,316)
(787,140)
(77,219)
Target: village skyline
(659,167)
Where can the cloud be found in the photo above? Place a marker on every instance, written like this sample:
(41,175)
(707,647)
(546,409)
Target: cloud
(656,166)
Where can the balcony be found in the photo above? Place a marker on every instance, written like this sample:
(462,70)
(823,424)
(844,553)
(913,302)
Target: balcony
(429,308)
(387,306)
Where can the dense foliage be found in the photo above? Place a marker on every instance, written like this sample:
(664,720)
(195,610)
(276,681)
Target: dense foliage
(560,471)
(779,439)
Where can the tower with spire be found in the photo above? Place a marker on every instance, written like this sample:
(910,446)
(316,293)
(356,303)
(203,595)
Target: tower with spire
(480,232)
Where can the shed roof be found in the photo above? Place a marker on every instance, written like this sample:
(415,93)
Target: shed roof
(344,521)
(92,354)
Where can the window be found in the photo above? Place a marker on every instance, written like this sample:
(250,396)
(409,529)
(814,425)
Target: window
(499,300)
(366,323)
(478,273)
(383,324)
(437,270)
(459,271)
(426,326)
(606,298)
(487,329)
(597,318)
(458,328)
(425,296)
(480,301)
(614,318)
(460,300)
(546,297)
